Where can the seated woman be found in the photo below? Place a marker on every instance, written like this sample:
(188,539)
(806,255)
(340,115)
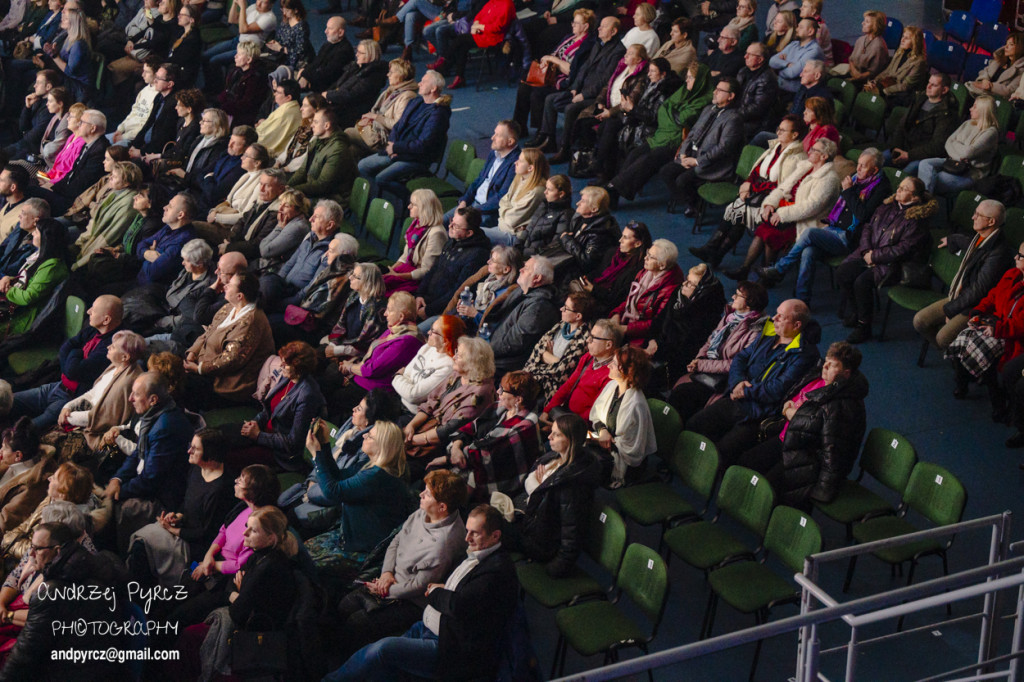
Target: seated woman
(245,192)
(431,365)
(370,133)
(870,54)
(549,218)
(43,154)
(496,451)
(429,545)
(552,512)
(281,242)
(970,152)
(209,584)
(678,50)
(64,157)
(820,117)
(781,31)
(189,105)
(612,286)
(650,292)
(357,87)
(226,359)
(152,308)
(707,375)
(584,249)
(453,404)
(294,155)
(801,202)
(186,48)
(71,485)
(524,197)
(388,353)
(558,352)
(776,164)
(107,403)
(25,466)
(488,289)
(641,33)
(160,552)
(808,453)
(304,503)
(907,72)
(423,241)
(635,119)
(374,501)
(486,29)
(291,39)
(275,436)
(362,316)
(246,86)
(74,58)
(112,211)
(992,339)
(691,314)
(28,292)
(1002,75)
(620,416)
(896,233)
(118,262)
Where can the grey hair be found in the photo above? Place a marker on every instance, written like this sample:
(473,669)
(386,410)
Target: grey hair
(828,147)
(68,513)
(155,384)
(544,268)
(437,78)
(347,244)
(38,206)
(99,119)
(373,281)
(730,32)
(816,64)
(131,343)
(668,253)
(221,122)
(278,174)
(197,252)
(6,397)
(507,256)
(997,208)
(875,155)
(333,210)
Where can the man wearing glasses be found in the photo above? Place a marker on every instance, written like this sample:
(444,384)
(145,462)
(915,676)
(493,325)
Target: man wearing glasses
(88,167)
(581,389)
(161,126)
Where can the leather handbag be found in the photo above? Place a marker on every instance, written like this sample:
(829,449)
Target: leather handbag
(916,275)
(297,316)
(258,652)
(539,76)
(954,167)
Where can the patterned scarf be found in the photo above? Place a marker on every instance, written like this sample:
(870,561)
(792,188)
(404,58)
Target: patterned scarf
(864,188)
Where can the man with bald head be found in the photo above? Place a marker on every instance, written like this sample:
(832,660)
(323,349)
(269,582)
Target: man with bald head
(326,67)
(83,357)
(760,378)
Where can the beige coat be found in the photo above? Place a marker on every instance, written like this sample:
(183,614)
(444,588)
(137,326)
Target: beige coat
(815,196)
(20,496)
(233,355)
(18,541)
(1005,84)
(388,108)
(514,212)
(111,408)
(427,249)
(911,74)
(241,198)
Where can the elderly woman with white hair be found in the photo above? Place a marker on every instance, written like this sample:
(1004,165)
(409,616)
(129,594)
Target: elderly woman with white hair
(151,308)
(650,292)
(107,403)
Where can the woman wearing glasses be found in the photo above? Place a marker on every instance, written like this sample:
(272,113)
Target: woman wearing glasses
(650,292)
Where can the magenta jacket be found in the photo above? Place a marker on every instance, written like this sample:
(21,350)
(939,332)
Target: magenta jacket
(386,356)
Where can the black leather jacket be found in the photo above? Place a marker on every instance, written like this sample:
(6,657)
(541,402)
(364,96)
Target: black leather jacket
(590,240)
(547,221)
(759,90)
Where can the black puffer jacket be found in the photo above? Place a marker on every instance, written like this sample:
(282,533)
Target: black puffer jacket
(823,440)
(642,120)
(687,323)
(552,522)
(355,91)
(548,220)
(590,240)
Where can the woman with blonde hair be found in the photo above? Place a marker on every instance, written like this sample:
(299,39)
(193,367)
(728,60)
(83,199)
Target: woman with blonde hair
(370,133)
(523,197)
(75,57)
(292,226)
(424,239)
(870,54)
(907,71)
(970,152)
(781,33)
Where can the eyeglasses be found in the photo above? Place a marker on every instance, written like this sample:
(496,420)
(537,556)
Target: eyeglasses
(980,215)
(433,333)
(688,283)
(354,276)
(40,548)
(566,309)
(1018,256)
(780,129)
(598,338)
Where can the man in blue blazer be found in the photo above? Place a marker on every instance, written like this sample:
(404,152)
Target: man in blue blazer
(494,180)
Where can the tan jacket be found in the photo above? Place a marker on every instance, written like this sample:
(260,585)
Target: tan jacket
(911,74)
(1003,85)
(20,496)
(111,408)
(426,251)
(17,541)
(233,355)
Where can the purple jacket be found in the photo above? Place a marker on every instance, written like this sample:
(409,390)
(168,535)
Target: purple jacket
(384,359)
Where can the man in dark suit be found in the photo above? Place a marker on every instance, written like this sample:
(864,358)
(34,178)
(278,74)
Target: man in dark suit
(35,117)
(463,623)
(330,61)
(88,167)
(496,177)
(211,184)
(160,127)
(260,220)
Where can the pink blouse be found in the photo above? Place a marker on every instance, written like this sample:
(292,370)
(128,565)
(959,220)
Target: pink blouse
(229,539)
(66,158)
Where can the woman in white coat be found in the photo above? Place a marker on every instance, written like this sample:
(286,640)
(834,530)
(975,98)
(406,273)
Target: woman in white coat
(431,365)
(620,416)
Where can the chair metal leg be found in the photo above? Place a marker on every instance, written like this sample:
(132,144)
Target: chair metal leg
(760,617)
(924,351)
(699,218)
(849,574)
(885,319)
(709,615)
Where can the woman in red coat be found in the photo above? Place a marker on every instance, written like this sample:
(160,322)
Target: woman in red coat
(650,292)
(486,30)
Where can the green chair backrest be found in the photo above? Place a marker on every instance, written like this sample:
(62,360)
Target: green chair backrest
(473,169)
(74,316)
(380,220)
(853,154)
(667,426)
(644,577)
(889,458)
(695,461)
(869,111)
(959,92)
(895,176)
(101,64)
(359,198)
(748,157)
(1014,226)
(962,217)
(607,539)
(460,153)
(935,494)
(945,262)
(841,111)
(1002,112)
(332,436)
(893,121)
(746,496)
(843,90)
(792,536)
(1012,166)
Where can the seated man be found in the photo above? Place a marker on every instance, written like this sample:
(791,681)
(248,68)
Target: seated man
(812,84)
(35,117)
(152,479)
(532,310)
(581,389)
(259,221)
(17,246)
(986,257)
(922,132)
(759,89)
(725,61)
(88,167)
(82,358)
(161,253)
(789,62)
(496,177)
(330,166)
(466,251)
(330,61)
(145,306)
(862,193)
(15,185)
(760,378)
(280,289)
(160,127)
(210,184)
(465,618)
(416,140)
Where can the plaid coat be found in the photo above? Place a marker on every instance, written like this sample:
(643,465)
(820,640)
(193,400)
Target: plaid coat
(500,451)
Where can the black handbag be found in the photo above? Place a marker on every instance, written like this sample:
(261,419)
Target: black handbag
(916,275)
(954,167)
(583,164)
(258,652)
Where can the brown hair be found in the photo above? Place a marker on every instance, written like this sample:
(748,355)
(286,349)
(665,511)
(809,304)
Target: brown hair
(634,365)
(300,356)
(171,368)
(448,488)
(521,384)
(73,482)
(824,114)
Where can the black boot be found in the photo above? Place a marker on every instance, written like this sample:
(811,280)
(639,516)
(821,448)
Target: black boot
(996,395)
(540,141)
(861,333)
(712,247)
(962,378)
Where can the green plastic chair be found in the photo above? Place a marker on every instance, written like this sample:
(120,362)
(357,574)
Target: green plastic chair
(842,110)
(695,462)
(753,587)
(1002,112)
(892,122)
(853,154)
(843,90)
(868,114)
(358,200)
(895,176)
(667,426)
(605,544)
(380,228)
(959,91)
(1012,166)
(460,154)
(932,492)
(27,360)
(962,216)
(746,497)
(228,415)
(1014,227)
(601,626)
(889,458)
(724,193)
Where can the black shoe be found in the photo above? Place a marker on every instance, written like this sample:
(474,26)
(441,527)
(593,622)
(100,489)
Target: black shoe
(1016,441)
(737,274)
(859,335)
(561,157)
(769,277)
(540,141)
(701,252)
(613,196)
(850,320)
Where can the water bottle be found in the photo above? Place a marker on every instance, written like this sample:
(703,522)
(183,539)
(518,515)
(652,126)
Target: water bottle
(466,297)
(485,331)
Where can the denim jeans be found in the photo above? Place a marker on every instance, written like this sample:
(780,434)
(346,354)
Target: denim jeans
(937,181)
(499,237)
(413,10)
(439,34)
(813,245)
(43,404)
(390,174)
(414,653)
